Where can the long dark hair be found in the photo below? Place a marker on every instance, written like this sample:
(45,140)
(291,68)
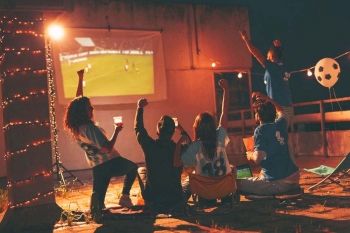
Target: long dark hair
(205,130)
(77,114)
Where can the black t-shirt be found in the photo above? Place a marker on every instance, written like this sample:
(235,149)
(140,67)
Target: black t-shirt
(163,185)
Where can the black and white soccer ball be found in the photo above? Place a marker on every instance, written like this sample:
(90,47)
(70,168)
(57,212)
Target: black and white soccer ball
(327,72)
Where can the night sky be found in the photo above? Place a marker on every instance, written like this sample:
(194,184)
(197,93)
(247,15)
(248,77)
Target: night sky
(310,30)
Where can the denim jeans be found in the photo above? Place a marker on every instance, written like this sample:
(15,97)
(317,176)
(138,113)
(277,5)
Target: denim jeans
(104,172)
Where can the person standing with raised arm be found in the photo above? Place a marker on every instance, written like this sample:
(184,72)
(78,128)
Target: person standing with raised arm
(105,160)
(277,87)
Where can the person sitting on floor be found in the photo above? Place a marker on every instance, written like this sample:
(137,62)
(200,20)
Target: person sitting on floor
(207,153)
(101,155)
(163,191)
(278,172)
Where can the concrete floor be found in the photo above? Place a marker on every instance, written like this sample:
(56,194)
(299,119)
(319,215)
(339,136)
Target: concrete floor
(325,210)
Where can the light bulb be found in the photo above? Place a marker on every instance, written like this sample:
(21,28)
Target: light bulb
(55,32)
(240,75)
(309,73)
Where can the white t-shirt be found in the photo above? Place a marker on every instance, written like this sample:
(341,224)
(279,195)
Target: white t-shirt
(218,166)
(92,140)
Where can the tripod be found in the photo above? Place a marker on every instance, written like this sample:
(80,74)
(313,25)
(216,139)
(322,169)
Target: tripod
(60,170)
(57,167)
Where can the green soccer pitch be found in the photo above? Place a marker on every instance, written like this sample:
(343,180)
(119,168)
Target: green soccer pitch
(110,75)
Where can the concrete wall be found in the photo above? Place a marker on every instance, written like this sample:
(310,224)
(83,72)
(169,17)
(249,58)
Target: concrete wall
(190,79)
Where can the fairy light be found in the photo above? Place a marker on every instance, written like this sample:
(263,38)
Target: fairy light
(52,101)
(29,180)
(15,27)
(240,75)
(26,148)
(23,97)
(20,71)
(312,67)
(20,51)
(36,198)
(213,64)
(309,73)
(26,123)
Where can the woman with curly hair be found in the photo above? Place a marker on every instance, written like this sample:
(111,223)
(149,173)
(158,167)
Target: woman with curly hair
(105,160)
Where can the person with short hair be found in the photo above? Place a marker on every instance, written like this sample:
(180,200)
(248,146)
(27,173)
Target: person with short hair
(278,173)
(163,191)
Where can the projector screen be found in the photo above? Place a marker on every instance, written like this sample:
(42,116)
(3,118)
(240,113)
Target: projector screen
(120,65)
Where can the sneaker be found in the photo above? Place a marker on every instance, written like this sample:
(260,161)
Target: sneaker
(125,201)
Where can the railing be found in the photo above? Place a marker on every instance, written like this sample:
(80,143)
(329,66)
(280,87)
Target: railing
(244,123)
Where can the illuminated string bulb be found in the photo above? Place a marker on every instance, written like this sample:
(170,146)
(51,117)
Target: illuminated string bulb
(240,75)
(29,180)
(213,64)
(19,51)
(27,123)
(23,97)
(13,73)
(309,73)
(34,33)
(26,148)
(26,203)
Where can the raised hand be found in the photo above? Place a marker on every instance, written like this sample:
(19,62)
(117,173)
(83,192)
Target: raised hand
(142,103)
(118,127)
(80,73)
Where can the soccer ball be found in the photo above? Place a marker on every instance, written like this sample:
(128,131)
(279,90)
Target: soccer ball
(327,72)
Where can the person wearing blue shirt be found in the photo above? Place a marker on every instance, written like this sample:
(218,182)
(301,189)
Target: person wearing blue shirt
(278,173)
(277,87)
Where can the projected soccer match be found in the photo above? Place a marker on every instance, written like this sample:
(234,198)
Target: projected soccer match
(116,64)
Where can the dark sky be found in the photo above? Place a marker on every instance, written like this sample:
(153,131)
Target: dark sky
(310,30)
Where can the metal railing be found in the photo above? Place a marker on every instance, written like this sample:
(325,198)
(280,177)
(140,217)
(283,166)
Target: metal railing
(245,124)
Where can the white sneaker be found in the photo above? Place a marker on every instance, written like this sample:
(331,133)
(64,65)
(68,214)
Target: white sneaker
(125,201)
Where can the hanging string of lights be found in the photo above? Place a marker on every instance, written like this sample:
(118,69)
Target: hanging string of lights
(27,123)
(13,26)
(23,97)
(308,69)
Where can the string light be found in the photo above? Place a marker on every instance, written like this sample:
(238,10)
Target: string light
(240,75)
(309,73)
(26,32)
(310,68)
(23,97)
(27,123)
(52,101)
(213,64)
(17,71)
(8,25)
(37,197)
(19,51)
(29,180)
(26,148)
